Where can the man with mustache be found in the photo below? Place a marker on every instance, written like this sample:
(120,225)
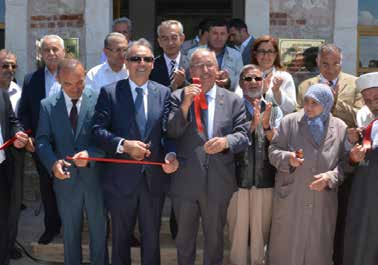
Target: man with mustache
(250,209)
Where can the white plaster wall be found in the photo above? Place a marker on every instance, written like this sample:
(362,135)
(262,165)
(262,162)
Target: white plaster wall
(345,32)
(98,16)
(257,17)
(16,24)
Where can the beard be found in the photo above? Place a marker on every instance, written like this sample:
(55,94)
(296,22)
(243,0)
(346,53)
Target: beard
(255,93)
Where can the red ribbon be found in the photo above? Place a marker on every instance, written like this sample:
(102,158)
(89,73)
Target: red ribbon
(11,141)
(366,142)
(117,161)
(200,103)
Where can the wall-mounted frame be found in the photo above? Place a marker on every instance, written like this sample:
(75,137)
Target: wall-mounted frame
(367,49)
(72,46)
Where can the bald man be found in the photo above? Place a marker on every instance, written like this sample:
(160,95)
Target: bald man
(64,130)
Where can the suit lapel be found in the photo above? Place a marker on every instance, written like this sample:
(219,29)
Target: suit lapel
(152,107)
(83,112)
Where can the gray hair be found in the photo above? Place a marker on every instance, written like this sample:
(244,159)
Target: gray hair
(141,42)
(61,41)
(248,67)
(330,48)
(6,53)
(112,35)
(168,23)
(68,64)
(121,20)
(198,50)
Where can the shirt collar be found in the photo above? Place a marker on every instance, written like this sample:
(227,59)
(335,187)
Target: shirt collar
(168,60)
(108,68)
(245,43)
(133,87)
(324,80)
(212,92)
(47,72)
(68,100)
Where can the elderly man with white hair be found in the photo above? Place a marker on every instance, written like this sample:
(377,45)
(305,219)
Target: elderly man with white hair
(37,86)
(361,234)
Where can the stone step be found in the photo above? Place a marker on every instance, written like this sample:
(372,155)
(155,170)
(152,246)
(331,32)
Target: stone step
(54,252)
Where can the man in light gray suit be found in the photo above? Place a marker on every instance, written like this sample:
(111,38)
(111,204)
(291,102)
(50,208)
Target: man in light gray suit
(64,129)
(206,144)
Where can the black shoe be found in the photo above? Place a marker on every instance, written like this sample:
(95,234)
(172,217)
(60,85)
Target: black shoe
(47,237)
(134,241)
(15,253)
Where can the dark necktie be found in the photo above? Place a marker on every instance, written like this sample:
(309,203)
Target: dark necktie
(330,83)
(205,115)
(73,115)
(140,113)
(172,71)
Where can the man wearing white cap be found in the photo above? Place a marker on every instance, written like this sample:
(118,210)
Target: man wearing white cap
(361,232)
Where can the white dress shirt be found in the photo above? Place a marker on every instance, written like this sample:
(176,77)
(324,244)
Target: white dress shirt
(52,86)
(102,75)
(210,96)
(14,92)
(69,103)
(2,153)
(323,80)
(168,62)
(374,135)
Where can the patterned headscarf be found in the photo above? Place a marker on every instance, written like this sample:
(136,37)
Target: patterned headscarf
(322,94)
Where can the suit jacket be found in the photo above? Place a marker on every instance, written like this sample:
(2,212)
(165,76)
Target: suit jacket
(198,172)
(349,99)
(114,119)
(246,54)
(9,123)
(33,91)
(56,139)
(160,73)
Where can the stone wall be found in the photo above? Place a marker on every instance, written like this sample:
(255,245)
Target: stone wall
(62,17)
(302,19)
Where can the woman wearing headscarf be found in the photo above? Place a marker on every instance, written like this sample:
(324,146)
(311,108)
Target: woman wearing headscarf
(305,192)
(279,85)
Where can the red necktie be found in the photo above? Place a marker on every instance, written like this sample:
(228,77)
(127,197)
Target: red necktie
(200,103)
(366,142)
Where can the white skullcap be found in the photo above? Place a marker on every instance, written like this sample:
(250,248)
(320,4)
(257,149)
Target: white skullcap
(366,81)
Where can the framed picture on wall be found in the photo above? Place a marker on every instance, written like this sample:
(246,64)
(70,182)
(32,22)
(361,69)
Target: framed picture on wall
(367,49)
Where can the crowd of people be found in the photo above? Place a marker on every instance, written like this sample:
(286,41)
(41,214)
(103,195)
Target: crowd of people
(216,124)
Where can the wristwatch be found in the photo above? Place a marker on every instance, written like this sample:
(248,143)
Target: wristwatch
(120,148)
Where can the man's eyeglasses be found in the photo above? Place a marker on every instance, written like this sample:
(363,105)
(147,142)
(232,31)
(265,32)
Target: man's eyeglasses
(250,78)
(9,65)
(138,59)
(267,52)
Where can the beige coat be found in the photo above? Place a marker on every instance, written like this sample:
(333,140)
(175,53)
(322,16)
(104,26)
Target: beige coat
(304,221)
(349,99)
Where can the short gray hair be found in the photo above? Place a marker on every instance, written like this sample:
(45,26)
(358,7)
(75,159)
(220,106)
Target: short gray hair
(248,67)
(141,42)
(69,64)
(7,53)
(61,41)
(198,50)
(112,35)
(168,23)
(329,48)
(121,20)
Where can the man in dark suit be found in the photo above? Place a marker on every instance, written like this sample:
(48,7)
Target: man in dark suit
(205,180)
(168,68)
(37,86)
(129,123)
(241,39)
(9,126)
(64,129)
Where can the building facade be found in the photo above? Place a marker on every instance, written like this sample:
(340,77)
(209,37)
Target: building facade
(350,24)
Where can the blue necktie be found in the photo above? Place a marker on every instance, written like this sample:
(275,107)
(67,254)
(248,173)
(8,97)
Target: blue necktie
(140,114)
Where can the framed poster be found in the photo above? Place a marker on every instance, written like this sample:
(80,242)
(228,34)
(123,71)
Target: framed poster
(299,55)
(72,47)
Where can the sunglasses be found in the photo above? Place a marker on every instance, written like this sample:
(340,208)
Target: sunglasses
(250,78)
(9,65)
(138,59)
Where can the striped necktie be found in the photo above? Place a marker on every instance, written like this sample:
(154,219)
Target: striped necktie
(172,71)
